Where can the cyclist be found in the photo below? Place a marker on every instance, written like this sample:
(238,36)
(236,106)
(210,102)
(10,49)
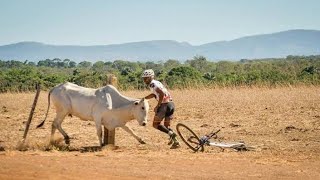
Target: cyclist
(164,109)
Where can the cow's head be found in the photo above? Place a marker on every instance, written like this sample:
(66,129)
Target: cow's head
(141,110)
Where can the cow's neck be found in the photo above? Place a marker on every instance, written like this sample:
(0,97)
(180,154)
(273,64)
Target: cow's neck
(124,113)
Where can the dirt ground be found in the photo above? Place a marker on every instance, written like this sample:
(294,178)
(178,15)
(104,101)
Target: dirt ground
(282,124)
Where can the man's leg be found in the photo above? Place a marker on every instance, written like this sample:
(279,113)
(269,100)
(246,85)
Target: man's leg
(168,117)
(156,124)
(159,117)
(173,136)
(167,122)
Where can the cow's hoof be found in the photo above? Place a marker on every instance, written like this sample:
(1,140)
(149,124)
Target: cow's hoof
(67,141)
(142,142)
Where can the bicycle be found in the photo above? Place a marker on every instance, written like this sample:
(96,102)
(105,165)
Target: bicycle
(195,143)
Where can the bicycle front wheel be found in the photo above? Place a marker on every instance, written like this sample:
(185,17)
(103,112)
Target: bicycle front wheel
(189,137)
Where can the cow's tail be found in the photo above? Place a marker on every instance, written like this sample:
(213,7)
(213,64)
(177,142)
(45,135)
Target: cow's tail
(41,124)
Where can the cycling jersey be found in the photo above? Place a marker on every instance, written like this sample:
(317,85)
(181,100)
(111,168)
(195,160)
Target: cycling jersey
(154,84)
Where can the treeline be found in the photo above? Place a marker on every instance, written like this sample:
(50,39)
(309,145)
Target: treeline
(20,76)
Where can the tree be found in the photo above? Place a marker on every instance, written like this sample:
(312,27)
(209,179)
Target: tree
(171,63)
(200,63)
(85,64)
(31,63)
(66,63)
(183,76)
(98,66)
(72,64)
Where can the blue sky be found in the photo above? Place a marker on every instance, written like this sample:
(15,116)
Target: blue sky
(102,22)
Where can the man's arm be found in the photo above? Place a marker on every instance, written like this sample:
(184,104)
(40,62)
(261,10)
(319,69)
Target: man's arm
(150,96)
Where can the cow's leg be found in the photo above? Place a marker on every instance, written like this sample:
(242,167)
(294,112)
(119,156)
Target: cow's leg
(130,131)
(99,129)
(53,130)
(99,133)
(57,125)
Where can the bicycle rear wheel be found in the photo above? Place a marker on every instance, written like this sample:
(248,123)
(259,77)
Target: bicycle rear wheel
(189,137)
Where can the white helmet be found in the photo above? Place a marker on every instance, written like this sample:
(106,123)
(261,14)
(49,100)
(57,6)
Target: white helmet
(148,73)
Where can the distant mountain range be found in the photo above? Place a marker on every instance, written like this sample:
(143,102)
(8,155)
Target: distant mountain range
(280,44)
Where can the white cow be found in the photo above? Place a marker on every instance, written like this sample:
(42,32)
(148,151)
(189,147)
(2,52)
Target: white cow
(106,106)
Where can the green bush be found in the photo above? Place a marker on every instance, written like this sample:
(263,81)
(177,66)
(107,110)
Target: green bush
(22,76)
(183,76)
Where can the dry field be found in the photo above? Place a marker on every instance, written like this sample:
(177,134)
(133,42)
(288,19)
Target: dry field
(283,124)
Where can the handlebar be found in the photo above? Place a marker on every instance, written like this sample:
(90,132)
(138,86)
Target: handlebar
(205,139)
(213,133)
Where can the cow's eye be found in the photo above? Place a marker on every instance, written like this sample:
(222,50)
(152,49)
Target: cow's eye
(142,108)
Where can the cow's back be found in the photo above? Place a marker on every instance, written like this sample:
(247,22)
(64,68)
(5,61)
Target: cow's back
(77,100)
(118,100)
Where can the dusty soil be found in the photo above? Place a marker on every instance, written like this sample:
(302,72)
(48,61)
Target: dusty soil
(282,124)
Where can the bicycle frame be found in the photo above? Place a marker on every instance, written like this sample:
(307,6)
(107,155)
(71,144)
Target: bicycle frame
(195,143)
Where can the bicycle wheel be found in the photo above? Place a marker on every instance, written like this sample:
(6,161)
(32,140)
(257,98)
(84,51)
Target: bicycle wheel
(189,137)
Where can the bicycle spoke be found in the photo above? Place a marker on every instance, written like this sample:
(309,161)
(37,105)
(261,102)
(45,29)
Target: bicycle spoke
(189,137)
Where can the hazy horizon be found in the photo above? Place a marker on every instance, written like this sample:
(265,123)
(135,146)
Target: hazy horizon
(99,22)
(154,40)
